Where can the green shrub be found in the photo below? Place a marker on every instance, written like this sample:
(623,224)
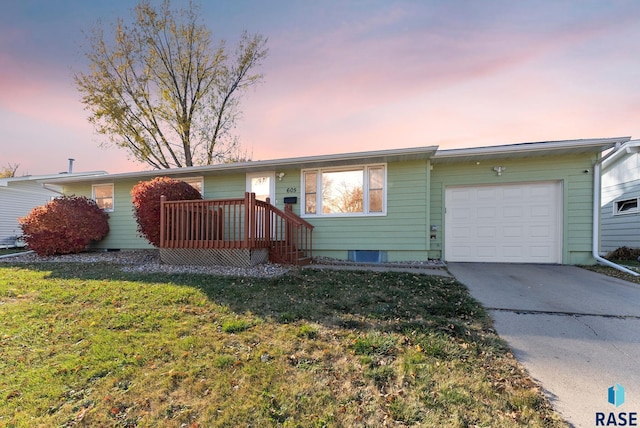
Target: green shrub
(65,225)
(146,203)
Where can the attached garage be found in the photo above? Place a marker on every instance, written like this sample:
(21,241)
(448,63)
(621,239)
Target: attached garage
(508,223)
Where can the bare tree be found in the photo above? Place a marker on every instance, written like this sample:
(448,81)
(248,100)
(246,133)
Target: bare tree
(162,91)
(9,170)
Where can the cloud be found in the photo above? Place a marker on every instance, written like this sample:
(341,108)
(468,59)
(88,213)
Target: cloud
(368,80)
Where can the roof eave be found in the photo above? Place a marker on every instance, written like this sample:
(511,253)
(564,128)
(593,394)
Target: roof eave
(377,156)
(527,149)
(629,148)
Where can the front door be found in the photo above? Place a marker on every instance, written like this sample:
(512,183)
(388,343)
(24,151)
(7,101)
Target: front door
(263,184)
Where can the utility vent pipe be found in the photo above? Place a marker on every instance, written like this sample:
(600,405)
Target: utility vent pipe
(71,165)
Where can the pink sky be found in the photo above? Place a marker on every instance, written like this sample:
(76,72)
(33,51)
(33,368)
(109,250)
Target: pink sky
(352,76)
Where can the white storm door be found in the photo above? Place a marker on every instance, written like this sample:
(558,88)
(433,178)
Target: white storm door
(263,184)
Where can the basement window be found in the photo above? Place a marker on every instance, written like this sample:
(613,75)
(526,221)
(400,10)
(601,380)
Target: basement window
(367,256)
(627,206)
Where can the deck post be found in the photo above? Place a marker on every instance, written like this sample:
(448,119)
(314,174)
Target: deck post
(247,218)
(254,222)
(267,223)
(163,220)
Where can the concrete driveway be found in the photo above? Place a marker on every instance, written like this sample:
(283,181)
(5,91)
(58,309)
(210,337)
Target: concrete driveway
(575,331)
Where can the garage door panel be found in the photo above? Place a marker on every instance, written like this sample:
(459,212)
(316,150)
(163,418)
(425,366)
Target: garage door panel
(487,252)
(512,211)
(504,223)
(540,192)
(486,195)
(513,231)
(539,251)
(512,192)
(538,211)
(513,252)
(461,213)
(486,232)
(486,212)
(541,231)
(461,195)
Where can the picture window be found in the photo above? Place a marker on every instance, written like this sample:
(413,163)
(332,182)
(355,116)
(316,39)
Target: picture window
(346,191)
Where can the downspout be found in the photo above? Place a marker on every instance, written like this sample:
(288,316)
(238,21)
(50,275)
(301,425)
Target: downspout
(596,223)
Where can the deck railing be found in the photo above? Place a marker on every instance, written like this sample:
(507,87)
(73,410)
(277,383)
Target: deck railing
(236,223)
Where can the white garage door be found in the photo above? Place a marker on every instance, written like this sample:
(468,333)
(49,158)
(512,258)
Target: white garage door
(512,223)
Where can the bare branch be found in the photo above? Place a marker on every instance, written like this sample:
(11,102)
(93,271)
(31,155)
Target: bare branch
(161,90)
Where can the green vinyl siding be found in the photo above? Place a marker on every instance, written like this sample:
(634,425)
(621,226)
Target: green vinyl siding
(224,186)
(402,232)
(577,190)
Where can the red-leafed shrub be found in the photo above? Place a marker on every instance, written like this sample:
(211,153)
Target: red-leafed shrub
(146,203)
(65,225)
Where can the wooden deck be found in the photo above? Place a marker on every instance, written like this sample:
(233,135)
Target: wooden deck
(243,223)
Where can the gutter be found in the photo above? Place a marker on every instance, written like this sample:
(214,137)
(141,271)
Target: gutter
(596,218)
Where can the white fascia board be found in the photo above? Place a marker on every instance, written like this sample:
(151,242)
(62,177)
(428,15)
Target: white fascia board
(523,148)
(39,178)
(264,165)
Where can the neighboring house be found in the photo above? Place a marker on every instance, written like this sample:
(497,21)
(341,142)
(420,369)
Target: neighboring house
(620,202)
(19,195)
(529,202)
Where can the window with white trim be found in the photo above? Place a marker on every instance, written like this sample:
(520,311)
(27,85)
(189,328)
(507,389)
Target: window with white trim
(627,206)
(359,190)
(103,195)
(195,182)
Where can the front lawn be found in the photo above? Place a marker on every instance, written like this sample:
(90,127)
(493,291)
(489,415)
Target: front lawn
(89,345)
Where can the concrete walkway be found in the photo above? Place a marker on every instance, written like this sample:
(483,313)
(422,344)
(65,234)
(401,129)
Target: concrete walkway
(576,332)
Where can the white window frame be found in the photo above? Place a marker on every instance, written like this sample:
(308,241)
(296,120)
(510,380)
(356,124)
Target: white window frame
(190,180)
(365,213)
(113,196)
(618,204)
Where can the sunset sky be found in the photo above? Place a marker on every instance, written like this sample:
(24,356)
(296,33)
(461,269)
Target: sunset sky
(346,76)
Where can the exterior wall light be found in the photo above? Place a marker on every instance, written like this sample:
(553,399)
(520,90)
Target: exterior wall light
(499,169)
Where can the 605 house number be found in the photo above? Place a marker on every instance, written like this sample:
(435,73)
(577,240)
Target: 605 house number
(292,190)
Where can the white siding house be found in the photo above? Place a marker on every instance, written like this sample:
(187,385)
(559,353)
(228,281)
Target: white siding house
(19,195)
(620,200)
